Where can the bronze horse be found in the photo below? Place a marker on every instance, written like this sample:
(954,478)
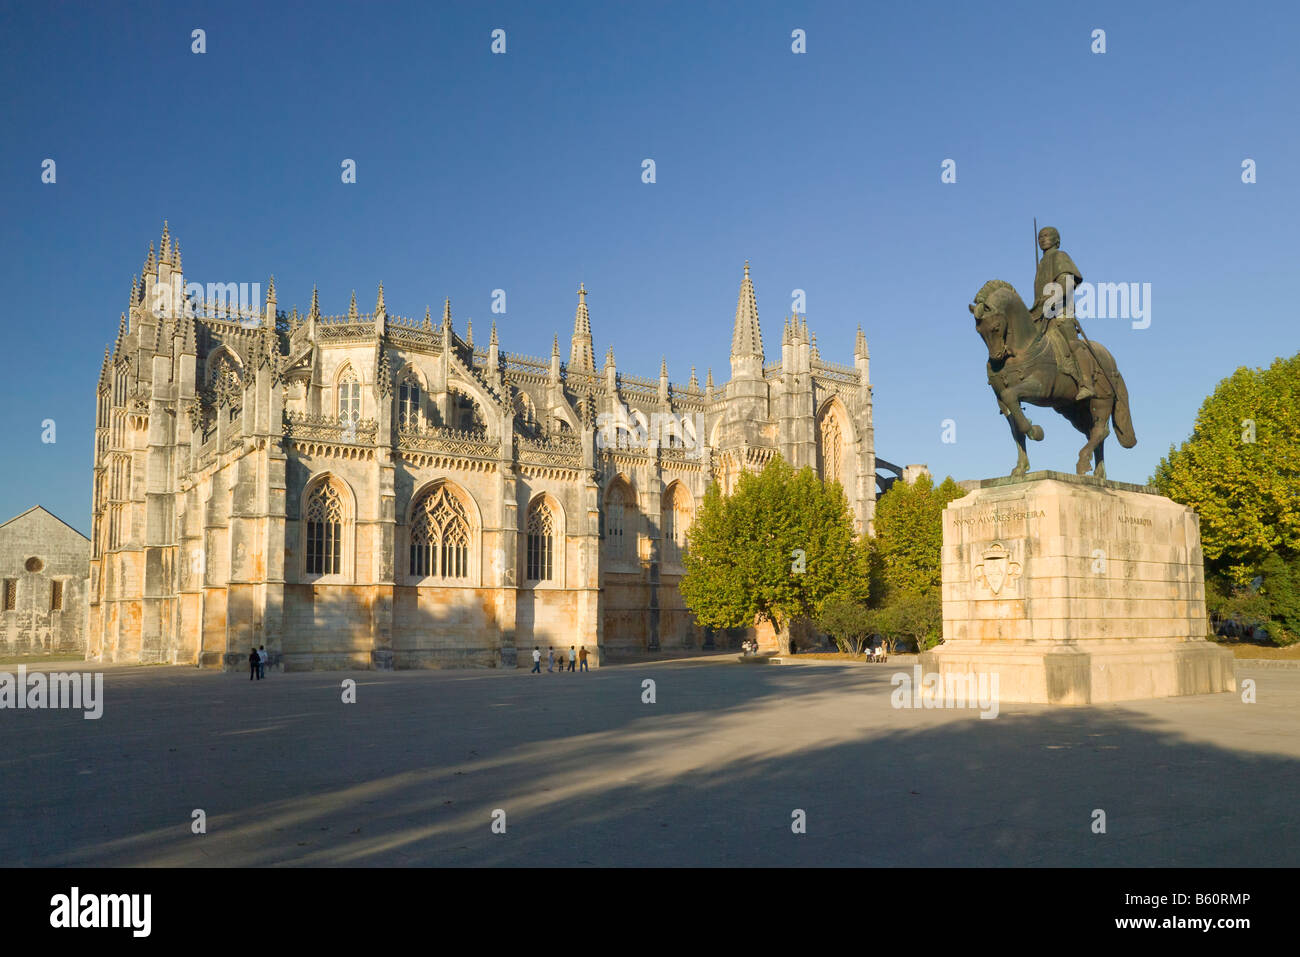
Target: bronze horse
(1023,368)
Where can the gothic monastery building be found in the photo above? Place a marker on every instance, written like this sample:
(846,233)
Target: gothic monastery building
(373,491)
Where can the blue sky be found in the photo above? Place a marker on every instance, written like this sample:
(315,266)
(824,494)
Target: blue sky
(522,171)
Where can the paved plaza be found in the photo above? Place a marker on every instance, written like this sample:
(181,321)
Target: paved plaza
(588,774)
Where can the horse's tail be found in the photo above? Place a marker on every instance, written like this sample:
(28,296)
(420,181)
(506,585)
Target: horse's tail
(1119,415)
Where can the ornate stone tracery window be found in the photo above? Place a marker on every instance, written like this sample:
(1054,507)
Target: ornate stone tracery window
(440,536)
(349,397)
(541,542)
(831,447)
(408,402)
(325,517)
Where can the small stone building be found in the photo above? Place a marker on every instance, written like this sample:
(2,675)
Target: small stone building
(44,574)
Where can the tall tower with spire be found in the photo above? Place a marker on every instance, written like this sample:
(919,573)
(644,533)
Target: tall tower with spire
(581,356)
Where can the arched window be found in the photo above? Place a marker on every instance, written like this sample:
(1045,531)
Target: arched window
(620,523)
(465,413)
(324,515)
(830,446)
(541,542)
(408,402)
(227,386)
(440,536)
(349,397)
(677,515)
(525,414)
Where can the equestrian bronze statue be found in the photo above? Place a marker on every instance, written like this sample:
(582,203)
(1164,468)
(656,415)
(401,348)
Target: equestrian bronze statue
(1036,355)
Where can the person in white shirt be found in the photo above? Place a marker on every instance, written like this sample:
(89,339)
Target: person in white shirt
(537,660)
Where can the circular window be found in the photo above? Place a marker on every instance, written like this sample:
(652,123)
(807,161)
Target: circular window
(34,564)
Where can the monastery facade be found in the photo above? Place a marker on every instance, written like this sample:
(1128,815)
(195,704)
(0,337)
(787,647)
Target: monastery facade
(374,491)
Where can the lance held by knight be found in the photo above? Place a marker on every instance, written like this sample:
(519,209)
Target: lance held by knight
(1054,282)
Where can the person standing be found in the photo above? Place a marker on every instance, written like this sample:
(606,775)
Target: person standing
(573,658)
(550,658)
(537,660)
(262,658)
(252,664)
(582,659)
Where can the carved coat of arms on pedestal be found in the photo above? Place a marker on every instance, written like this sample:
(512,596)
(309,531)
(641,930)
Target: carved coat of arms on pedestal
(996,569)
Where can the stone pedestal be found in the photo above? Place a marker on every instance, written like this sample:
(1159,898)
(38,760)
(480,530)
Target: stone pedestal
(1074,590)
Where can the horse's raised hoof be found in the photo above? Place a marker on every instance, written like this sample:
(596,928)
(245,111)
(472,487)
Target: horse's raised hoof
(1081,467)
(1035,432)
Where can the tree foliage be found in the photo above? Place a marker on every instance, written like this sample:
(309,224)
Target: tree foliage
(848,622)
(905,562)
(1240,470)
(909,538)
(778,548)
(909,616)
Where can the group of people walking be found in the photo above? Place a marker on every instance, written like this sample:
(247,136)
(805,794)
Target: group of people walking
(257,659)
(576,656)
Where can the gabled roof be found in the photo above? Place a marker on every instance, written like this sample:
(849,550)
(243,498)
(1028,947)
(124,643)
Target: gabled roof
(40,508)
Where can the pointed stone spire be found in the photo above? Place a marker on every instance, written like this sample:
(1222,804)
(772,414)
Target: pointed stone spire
(315,304)
(860,345)
(176,255)
(785,332)
(803,328)
(165,247)
(428,320)
(555,346)
(270,290)
(581,357)
(813,352)
(380,308)
(446,313)
(158,336)
(352,308)
(469,333)
(383,371)
(149,264)
(708,381)
(694,384)
(611,373)
(135,294)
(121,336)
(103,371)
(746,336)
(492,341)
(270,341)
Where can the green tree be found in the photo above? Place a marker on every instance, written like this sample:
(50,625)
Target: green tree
(1240,470)
(906,554)
(1280,588)
(848,622)
(776,549)
(911,617)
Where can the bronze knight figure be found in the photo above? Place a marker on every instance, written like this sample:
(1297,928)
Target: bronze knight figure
(1036,356)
